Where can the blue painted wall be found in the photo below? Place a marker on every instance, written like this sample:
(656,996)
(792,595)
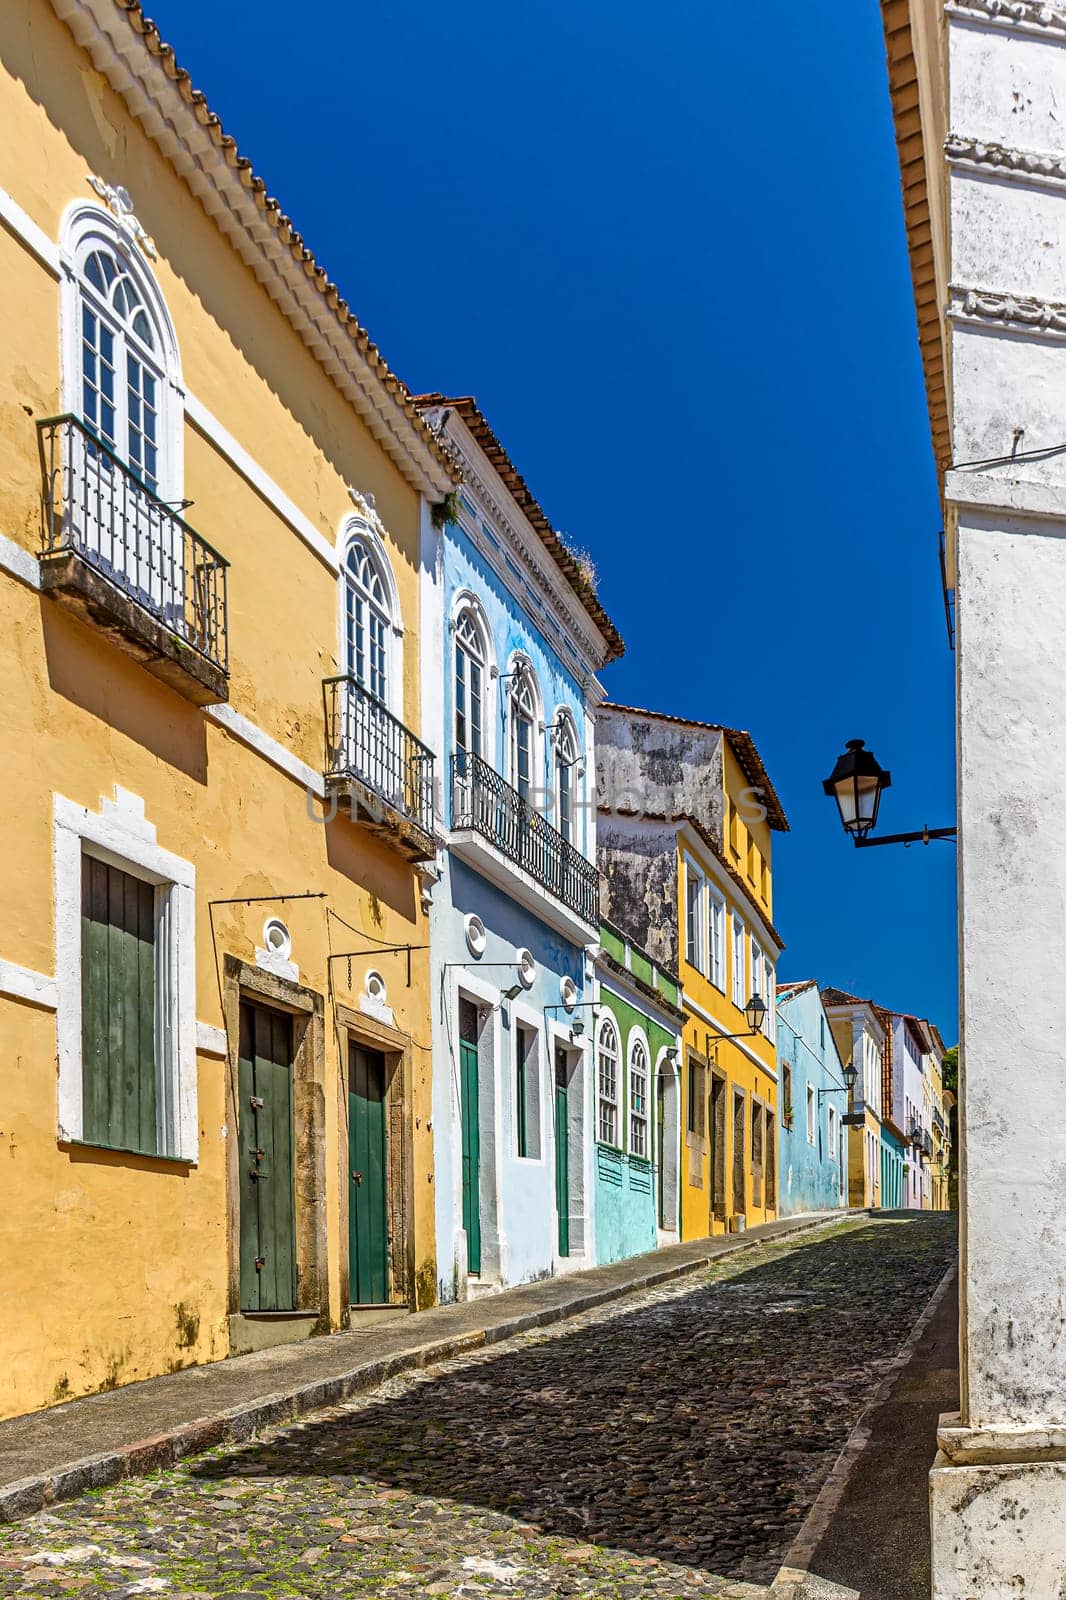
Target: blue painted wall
(892,1166)
(625,1205)
(809,1175)
(519,1217)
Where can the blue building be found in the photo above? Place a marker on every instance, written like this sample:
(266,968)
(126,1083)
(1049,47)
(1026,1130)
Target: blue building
(513,637)
(812,1101)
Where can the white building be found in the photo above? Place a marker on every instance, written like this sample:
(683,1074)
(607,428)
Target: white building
(979,98)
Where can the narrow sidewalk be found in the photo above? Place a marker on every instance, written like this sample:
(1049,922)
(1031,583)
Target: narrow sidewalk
(51,1455)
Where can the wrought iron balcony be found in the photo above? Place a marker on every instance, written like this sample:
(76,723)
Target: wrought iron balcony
(119,557)
(384,774)
(484,802)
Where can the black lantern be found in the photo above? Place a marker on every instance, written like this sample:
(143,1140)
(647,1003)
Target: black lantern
(855,783)
(850,1075)
(755,1011)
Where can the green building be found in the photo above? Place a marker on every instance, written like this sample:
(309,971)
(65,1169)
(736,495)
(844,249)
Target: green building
(637,1146)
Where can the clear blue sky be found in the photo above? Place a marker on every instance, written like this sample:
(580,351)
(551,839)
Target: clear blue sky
(664,247)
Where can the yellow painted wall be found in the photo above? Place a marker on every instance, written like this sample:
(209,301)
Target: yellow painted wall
(115,1267)
(748,841)
(729,1059)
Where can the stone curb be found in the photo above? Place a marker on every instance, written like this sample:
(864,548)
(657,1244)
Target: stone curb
(794,1581)
(28,1495)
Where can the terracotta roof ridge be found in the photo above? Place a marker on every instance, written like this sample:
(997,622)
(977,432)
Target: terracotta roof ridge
(391,406)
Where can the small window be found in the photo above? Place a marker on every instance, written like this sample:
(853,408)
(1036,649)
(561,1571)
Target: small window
(470,661)
(527,1096)
(607,1083)
(786,1093)
(567,756)
(832,1133)
(821,1032)
(695,914)
(638,1100)
(523,716)
(811,1115)
(697,1111)
(123,1088)
(367,619)
(716,930)
(758,976)
(740,998)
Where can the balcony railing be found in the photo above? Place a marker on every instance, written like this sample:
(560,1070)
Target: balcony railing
(483,801)
(391,770)
(96,510)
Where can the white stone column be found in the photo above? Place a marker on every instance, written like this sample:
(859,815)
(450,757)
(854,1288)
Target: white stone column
(999,1483)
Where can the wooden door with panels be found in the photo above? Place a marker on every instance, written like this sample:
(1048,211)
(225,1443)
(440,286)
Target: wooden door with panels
(267,1160)
(368,1217)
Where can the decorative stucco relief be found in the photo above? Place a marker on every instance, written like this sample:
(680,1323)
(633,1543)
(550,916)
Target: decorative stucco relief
(1047,317)
(965,152)
(1028,14)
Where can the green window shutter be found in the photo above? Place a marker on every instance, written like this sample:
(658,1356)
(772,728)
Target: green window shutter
(118,950)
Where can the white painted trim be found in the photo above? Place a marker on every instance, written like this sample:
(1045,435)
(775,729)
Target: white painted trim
(369,532)
(211,1041)
(207,424)
(22,983)
(268,747)
(998,497)
(525,1015)
(705,1016)
(631,994)
(19,562)
(637,1035)
(22,225)
(121,834)
(520,885)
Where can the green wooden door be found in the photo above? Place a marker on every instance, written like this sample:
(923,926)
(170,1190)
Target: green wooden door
(471,1134)
(562,1152)
(265,1153)
(118,1009)
(368,1247)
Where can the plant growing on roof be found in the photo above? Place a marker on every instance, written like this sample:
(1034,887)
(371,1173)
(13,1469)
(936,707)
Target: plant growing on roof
(444,511)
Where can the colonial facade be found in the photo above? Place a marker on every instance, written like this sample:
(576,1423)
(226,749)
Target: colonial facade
(859,1029)
(812,1101)
(687,813)
(977,89)
(515,912)
(214,986)
(636,1195)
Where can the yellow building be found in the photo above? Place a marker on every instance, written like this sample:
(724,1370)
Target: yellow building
(861,1030)
(213,977)
(686,819)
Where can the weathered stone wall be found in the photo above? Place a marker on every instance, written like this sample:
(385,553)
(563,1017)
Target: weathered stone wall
(653,767)
(639,890)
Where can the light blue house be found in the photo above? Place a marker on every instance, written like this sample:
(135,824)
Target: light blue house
(812,1146)
(512,639)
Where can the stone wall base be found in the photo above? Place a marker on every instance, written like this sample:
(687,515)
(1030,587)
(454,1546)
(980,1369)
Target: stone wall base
(998,1529)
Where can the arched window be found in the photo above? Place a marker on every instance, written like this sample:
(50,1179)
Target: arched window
(120,354)
(367,619)
(566,756)
(471,661)
(638,1099)
(607,1082)
(522,708)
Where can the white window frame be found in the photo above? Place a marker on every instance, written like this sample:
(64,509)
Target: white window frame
(832,1133)
(812,1115)
(121,835)
(758,970)
(566,754)
(740,999)
(638,1042)
(607,1024)
(716,937)
(358,529)
(521,672)
(468,607)
(84,226)
(696,880)
(770,1020)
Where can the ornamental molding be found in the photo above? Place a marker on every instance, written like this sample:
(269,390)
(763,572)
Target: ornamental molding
(118,202)
(518,547)
(984,154)
(985,306)
(1031,16)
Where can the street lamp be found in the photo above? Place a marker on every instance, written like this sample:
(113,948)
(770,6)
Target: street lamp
(849,1074)
(857,783)
(755,1016)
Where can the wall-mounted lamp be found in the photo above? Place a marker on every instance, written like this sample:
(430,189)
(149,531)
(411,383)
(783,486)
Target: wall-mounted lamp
(857,783)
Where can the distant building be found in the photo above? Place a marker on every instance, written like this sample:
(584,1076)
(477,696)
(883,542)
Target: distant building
(812,1101)
(687,815)
(860,1030)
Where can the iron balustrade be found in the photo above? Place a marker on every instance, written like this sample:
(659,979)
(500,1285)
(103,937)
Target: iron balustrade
(485,802)
(96,507)
(366,743)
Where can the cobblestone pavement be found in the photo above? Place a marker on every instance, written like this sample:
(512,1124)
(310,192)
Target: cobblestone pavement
(668,1445)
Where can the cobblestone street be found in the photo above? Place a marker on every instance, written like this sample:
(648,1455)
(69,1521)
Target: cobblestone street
(668,1445)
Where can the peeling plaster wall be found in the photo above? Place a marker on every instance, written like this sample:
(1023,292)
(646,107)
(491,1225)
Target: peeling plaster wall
(639,886)
(649,766)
